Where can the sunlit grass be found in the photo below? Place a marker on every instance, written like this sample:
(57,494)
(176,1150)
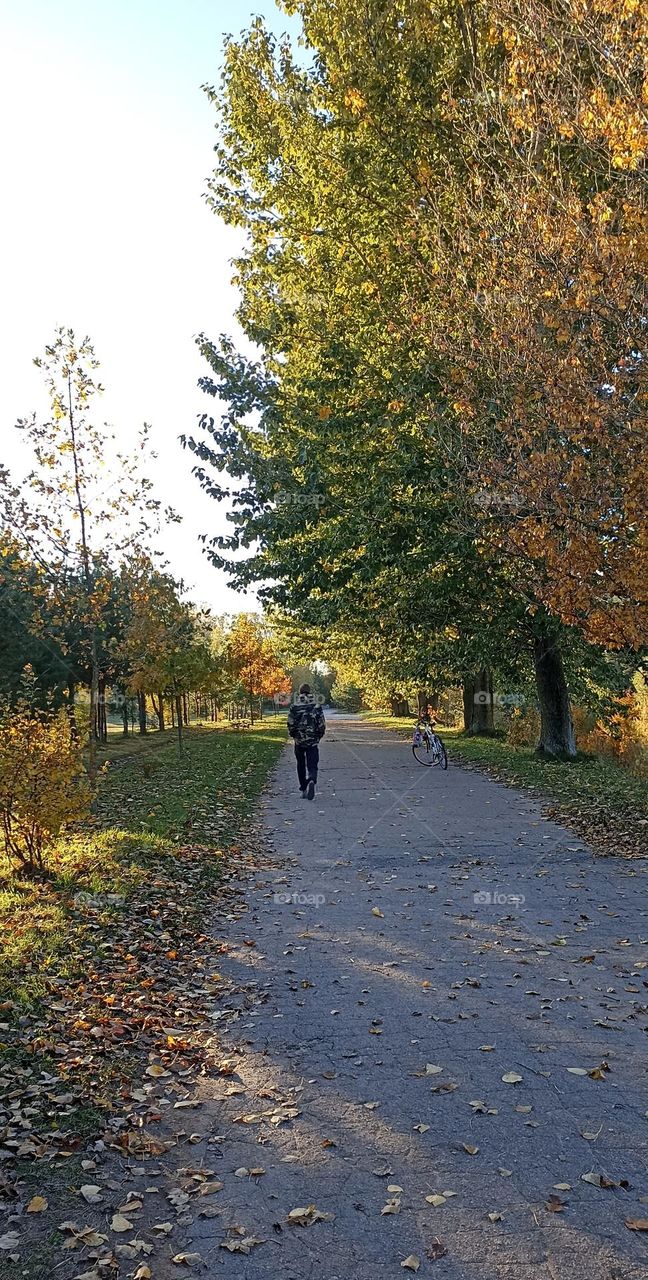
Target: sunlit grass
(150,800)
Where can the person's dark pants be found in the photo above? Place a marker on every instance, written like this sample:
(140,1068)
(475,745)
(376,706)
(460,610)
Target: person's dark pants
(307,756)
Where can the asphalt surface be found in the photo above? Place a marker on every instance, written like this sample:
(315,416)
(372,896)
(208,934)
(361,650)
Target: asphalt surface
(417,997)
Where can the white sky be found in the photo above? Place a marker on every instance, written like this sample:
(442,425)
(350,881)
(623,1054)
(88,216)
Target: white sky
(105,144)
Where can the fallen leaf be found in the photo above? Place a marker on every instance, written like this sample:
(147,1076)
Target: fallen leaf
(421,1128)
(392,1206)
(187,1259)
(9,1240)
(37,1204)
(554,1204)
(637,1224)
(120,1223)
(375,911)
(511,1077)
(393,1186)
(436,1200)
(91,1194)
(412,1263)
(495,1217)
(471,1151)
(243,1245)
(305,1217)
(436,1250)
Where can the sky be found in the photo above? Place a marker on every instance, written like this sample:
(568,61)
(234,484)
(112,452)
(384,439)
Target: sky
(105,149)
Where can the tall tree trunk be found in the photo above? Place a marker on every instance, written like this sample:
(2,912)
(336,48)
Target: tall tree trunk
(159,711)
(101,722)
(124,711)
(179,718)
(185,709)
(422,702)
(94,697)
(71,691)
(399,705)
(141,711)
(557,737)
(478,703)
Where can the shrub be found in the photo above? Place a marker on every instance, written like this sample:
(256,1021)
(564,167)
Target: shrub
(624,736)
(43,786)
(522,726)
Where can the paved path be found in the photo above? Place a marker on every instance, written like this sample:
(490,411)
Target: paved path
(381,1010)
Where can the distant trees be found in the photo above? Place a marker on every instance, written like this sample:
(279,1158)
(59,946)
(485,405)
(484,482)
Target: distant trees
(79,509)
(253,661)
(85,604)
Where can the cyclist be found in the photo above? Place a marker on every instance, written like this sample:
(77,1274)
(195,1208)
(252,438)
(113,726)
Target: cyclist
(306,727)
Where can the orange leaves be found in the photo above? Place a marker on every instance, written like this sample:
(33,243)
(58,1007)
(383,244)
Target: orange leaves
(354,100)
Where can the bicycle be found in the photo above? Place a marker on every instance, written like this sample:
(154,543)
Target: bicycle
(427,746)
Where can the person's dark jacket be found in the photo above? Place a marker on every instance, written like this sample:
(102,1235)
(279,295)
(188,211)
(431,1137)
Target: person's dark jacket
(306,721)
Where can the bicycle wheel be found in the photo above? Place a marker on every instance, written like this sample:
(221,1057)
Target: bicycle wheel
(424,753)
(442,755)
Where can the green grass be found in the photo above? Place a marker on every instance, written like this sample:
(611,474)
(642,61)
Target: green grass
(601,799)
(151,798)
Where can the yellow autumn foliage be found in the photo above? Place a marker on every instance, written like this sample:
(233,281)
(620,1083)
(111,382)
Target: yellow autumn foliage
(43,784)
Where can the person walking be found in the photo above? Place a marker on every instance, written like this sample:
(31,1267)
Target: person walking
(306,727)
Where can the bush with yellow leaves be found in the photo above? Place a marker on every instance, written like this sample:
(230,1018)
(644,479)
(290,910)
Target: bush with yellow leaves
(625,736)
(43,785)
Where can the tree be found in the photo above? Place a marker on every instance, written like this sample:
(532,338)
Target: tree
(70,518)
(253,661)
(392,194)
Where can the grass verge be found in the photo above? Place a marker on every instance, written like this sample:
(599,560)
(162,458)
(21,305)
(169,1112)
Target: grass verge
(604,802)
(108,965)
